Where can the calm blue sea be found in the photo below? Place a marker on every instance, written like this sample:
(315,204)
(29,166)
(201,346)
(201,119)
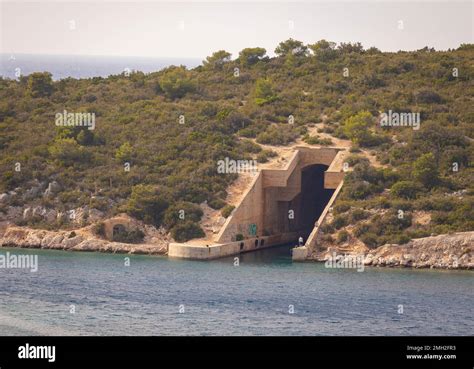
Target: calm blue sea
(63,66)
(218,298)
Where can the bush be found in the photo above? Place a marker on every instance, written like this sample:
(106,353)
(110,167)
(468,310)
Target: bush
(264,91)
(327,228)
(133,236)
(400,239)
(370,240)
(99,229)
(176,82)
(401,205)
(405,189)
(358,214)
(239,237)
(425,170)
(339,221)
(428,97)
(314,140)
(274,135)
(327,238)
(264,155)
(216,203)
(182,211)
(40,84)
(67,152)
(342,236)
(187,230)
(147,204)
(341,207)
(227,210)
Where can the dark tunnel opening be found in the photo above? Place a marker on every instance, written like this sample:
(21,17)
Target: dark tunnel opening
(300,214)
(314,197)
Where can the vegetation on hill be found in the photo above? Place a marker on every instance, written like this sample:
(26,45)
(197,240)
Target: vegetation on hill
(158,136)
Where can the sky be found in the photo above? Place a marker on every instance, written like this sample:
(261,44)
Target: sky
(198,28)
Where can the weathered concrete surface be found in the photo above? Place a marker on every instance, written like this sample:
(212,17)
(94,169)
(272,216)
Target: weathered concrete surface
(312,239)
(210,251)
(299,253)
(271,188)
(259,216)
(124,220)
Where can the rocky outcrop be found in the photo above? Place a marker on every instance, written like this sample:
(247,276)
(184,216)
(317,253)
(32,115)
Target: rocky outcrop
(79,240)
(53,189)
(450,251)
(447,251)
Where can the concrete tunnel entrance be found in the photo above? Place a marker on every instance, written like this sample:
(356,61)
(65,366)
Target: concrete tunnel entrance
(279,206)
(300,214)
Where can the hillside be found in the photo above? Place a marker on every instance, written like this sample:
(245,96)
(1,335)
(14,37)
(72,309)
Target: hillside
(157,139)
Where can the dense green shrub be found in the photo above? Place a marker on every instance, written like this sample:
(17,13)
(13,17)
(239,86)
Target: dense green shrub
(147,204)
(227,210)
(180,212)
(281,135)
(129,236)
(187,230)
(99,229)
(264,155)
(342,236)
(176,82)
(406,189)
(339,221)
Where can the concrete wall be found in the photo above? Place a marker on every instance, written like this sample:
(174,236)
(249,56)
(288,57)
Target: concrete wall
(215,251)
(263,202)
(248,212)
(271,194)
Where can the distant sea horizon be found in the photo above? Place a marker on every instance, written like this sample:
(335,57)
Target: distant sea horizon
(85,66)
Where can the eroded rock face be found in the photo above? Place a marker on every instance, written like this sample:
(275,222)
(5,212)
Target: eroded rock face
(80,240)
(451,251)
(53,188)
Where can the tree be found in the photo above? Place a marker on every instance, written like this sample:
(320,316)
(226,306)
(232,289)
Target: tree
(405,189)
(180,212)
(264,92)
(176,82)
(357,128)
(147,204)
(124,152)
(291,47)
(425,170)
(187,230)
(373,51)
(347,48)
(324,50)
(40,84)
(251,55)
(217,59)
(67,152)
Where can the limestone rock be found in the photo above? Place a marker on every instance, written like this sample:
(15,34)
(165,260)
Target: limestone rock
(80,240)
(53,188)
(448,251)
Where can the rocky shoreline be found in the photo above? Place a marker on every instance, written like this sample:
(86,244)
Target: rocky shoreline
(447,251)
(78,240)
(450,251)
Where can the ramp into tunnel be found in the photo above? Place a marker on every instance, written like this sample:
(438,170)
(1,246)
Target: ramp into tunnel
(279,206)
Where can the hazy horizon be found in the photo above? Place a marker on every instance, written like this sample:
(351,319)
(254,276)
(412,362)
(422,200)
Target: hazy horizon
(197,29)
